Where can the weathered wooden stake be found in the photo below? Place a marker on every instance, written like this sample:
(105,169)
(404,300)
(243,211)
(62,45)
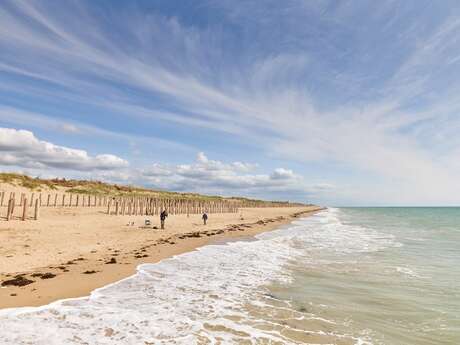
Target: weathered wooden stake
(8,211)
(24,209)
(13,203)
(37,208)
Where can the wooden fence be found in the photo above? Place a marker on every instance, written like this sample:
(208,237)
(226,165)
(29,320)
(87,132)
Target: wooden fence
(122,205)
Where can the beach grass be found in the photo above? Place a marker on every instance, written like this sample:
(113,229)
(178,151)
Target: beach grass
(94,187)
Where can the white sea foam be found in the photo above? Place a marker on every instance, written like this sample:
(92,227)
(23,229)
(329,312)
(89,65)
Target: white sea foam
(326,231)
(179,300)
(409,272)
(199,297)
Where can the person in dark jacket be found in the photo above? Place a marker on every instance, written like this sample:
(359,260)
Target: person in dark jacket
(205,218)
(163,216)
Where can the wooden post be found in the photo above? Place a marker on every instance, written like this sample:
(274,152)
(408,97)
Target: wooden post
(116,208)
(48,201)
(13,203)
(108,208)
(31,200)
(55,200)
(37,208)
(8,211)
(70,201)
(24,209)
(2,197)
(78,200)
(63,200)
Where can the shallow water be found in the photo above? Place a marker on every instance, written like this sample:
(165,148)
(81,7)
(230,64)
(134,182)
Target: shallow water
(343,276)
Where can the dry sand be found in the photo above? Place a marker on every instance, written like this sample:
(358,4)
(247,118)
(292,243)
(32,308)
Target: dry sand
(81,249)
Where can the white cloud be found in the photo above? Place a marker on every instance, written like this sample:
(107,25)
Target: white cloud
(21,151)
(68,127)
(202,158)
(211,176)
(21,148)
(282,174)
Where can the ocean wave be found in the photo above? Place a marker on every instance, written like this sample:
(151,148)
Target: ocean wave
(325,231)
(214,295)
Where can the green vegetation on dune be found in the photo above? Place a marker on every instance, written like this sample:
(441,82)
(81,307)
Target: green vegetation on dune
(102,188)
(25,181)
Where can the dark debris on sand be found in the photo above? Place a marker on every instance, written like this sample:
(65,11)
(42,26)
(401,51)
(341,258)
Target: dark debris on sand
(47,275)
(89,272)
(17,281)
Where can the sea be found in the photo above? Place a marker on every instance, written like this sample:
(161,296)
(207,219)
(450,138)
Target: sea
(342,276)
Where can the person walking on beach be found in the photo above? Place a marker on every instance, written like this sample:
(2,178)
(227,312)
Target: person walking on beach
(205,218)
(163,216)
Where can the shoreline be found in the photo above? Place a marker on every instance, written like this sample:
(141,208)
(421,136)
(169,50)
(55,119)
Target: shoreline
(78,277)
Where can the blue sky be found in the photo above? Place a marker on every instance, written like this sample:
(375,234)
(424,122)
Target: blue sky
(334,102)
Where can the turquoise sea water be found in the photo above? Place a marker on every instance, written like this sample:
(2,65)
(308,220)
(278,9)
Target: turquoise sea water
(343,276)
(387,275)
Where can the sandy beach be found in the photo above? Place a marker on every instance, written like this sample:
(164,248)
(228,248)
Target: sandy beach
(69,252)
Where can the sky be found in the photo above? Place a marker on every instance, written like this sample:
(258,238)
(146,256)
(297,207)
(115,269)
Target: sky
(332,102)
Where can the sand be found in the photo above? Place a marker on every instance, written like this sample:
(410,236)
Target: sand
(69,252)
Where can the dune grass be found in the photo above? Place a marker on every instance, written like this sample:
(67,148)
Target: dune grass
(103,188)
